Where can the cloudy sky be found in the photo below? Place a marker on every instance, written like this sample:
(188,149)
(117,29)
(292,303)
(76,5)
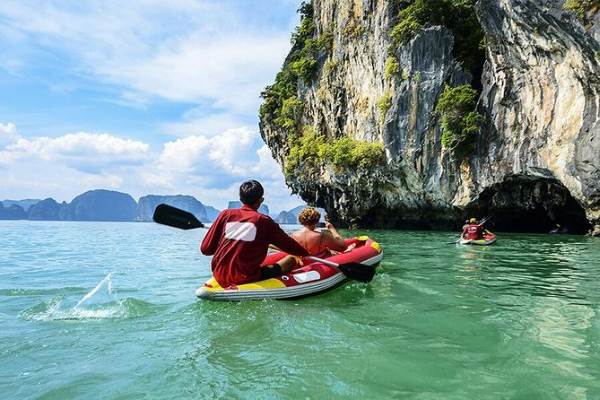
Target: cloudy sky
(143,97)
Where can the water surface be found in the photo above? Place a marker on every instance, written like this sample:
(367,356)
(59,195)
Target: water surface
(106,310)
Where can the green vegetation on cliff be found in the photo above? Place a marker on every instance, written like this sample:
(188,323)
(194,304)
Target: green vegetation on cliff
(289,112)
(460,123)
(383,104)
(583,8)
(392,67)
(281,104)
(311,151)
(457,15)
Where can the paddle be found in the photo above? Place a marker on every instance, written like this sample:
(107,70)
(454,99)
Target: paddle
(359,272)
(486,219)
(172,216)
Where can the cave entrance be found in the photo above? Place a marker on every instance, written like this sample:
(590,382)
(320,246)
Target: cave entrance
(531,204)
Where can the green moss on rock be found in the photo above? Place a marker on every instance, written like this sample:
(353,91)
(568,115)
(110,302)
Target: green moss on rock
(392,67)
(583,8)
(460,121)
(384,104)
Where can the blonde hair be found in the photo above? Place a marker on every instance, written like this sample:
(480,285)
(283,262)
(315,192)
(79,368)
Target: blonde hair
(309,216)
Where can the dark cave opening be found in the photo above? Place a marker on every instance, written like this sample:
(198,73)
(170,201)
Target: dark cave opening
(531,204)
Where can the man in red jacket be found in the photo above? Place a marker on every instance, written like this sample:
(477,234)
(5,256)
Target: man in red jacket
(239,240)
(473,231)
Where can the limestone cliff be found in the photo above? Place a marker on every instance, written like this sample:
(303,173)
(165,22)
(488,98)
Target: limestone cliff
(527,148)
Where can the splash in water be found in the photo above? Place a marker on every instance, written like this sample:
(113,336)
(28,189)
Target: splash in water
(52,310)
(109,288)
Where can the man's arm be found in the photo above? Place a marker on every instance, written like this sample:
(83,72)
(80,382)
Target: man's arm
(332,239)
(211,240)
(282,240)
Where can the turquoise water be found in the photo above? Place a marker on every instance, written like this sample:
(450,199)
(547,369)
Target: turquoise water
(518,320)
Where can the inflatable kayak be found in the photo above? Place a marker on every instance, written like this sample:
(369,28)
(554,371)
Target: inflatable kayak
(313,277)
(488,239)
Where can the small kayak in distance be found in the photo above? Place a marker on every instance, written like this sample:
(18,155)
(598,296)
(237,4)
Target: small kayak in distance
(488,239)
(314,277)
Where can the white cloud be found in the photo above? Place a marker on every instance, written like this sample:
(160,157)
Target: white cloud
(81,144)
(266,164)
(197,122)
(211,167)
(8,134)
(216,160)
(83,151)
(228,71)
(214,167)
(194,51)
(212,56)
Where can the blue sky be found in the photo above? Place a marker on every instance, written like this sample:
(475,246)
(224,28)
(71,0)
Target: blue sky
(142,97)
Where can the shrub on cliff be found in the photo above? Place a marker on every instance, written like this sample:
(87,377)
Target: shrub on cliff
(383,104)
(349,153)
(457,15)
(583,8)
(408,26)
(392,67)
(289,112)
(307,150)
(280,99)
(460,123)
(311,151)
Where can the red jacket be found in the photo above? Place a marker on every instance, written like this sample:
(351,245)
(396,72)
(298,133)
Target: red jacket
(239,240)
(473,232)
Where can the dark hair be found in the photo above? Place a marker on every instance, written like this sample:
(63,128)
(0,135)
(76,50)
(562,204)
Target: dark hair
(251,192)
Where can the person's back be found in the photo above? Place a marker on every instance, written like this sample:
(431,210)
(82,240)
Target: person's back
(473,231)
(241,245)
(314,242)
(318,244)
(239,239)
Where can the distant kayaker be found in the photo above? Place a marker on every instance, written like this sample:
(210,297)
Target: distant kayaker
(559,230)
(317,243)
(239,239)
(473,230)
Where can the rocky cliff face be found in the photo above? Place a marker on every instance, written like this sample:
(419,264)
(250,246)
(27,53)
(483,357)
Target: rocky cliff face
(541,90)
(535,156)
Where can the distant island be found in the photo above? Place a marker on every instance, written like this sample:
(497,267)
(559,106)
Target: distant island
(109,205)
(264,209)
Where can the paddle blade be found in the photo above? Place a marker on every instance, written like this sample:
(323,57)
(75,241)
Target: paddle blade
(359,272)
(171,216)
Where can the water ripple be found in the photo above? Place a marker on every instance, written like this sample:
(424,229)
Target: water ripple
(516,320)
